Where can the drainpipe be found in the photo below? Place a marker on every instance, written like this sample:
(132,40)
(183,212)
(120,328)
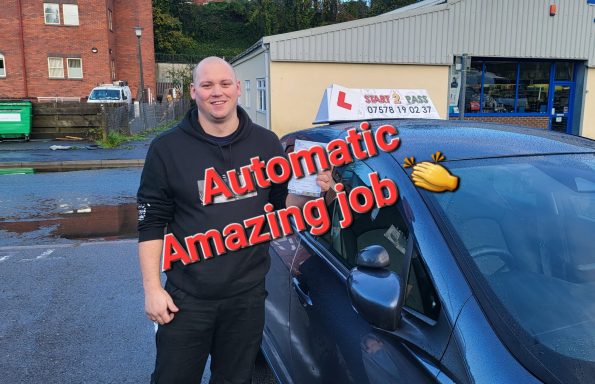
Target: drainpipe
(268,84)
(26,85)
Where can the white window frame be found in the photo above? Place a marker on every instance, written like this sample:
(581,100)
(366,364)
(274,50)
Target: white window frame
(113,69)
(70,17)
(261,88)
(110,19)
(70,76)
(46,14)
(56,67)
(247,93)
(3,69)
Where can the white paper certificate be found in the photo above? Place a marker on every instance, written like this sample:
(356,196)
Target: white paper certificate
(306,185)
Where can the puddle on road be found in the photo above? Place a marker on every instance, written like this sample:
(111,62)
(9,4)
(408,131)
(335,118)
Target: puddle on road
(83,223)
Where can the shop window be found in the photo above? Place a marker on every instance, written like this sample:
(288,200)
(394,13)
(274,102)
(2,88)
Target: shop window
(473,89)
(2,66)
(71,14)
(52,13)
(495,87)
(56,67)
(75,68)
(247,93)
(534,84)
(499,87)
(564,71)
(262,95)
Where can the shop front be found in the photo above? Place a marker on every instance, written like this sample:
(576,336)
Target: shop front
(525,92)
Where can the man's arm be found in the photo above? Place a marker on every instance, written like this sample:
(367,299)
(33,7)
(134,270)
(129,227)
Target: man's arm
(159,305)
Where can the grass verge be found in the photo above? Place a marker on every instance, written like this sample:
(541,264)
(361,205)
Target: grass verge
(115,139)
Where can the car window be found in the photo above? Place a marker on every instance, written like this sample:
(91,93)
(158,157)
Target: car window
(385,227)
(421,295)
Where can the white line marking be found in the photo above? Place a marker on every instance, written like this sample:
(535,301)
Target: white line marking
(43,256)
(68,245)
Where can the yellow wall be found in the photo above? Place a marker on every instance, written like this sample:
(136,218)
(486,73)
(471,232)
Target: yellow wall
(297,88)
(588,127)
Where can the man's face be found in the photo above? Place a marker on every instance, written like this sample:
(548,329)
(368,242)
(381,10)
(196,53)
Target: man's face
(216,91)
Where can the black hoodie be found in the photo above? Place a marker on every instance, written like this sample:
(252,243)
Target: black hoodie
(168,201)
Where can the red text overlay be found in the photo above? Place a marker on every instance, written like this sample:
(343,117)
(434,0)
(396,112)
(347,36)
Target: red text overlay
(313,216)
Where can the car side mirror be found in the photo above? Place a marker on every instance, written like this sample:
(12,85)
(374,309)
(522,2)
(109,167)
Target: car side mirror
(374,291)
(373,256)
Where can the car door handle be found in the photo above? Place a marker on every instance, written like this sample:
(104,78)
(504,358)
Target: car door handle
(302,296)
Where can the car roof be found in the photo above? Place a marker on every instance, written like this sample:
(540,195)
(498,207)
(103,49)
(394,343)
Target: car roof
(459,140)
(110,87)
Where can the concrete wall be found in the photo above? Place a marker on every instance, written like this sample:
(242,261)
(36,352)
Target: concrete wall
(251,68)
(297,88)
(588,126)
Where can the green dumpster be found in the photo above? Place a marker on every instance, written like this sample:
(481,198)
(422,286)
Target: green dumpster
(15,119)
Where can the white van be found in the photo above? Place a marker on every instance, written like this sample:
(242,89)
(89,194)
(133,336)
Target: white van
(110,93)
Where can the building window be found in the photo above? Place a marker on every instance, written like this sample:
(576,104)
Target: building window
(534,87)
(497,87)
(75,68)
(109,19)
(52,13)
(2,66)
(71,14)
(113,68)
(247,93)
(262,94)
(56,67)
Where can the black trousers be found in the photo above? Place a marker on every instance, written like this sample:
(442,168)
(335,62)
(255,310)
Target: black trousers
(229,329)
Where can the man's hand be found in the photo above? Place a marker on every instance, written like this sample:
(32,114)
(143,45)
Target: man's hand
(324,180)
(159,306)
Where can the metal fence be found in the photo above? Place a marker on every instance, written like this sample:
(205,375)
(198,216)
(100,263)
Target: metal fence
(139,117)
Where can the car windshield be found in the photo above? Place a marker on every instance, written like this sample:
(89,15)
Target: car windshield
(525,230)
(105,94)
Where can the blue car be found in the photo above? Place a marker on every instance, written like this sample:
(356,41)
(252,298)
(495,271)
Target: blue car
(493,282)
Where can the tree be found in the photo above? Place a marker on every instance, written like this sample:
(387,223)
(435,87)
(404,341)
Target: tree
(169,37)
(382,6)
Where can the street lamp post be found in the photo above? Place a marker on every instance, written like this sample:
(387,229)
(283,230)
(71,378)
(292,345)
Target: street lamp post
(139,31)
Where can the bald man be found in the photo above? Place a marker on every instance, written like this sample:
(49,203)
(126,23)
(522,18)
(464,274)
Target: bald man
(214,306)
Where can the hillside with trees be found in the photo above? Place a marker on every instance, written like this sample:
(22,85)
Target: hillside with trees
(228,28)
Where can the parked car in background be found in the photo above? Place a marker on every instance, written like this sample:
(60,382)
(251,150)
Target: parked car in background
(110,93)
(491,283)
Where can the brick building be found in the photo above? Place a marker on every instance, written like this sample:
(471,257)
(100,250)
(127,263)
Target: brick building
(64,48)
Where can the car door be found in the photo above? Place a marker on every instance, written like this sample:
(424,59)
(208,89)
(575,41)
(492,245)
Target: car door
(330,341)
(276,343)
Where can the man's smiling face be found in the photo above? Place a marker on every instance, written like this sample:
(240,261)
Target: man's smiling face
(216,90)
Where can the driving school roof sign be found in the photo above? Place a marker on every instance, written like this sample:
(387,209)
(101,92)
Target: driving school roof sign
(349,104)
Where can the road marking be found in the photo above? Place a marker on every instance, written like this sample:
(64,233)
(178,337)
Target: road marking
(43,256)
(68,245)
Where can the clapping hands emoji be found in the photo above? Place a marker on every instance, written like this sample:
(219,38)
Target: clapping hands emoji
(433,177)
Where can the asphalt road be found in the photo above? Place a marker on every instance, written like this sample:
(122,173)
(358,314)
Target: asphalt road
(72,313)
(72,307)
